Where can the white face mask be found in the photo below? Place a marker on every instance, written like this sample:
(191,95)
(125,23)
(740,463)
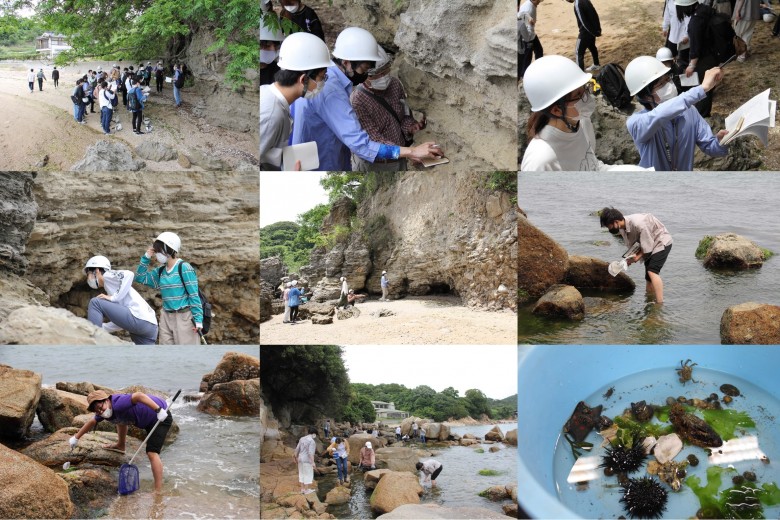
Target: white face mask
(107,413)
(586,108)
(312,93)
(268,57)
(666,92)
(380,83)
(291,9)
(161,257)
(92,281)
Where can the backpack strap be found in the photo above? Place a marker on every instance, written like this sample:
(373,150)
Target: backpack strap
(384,104)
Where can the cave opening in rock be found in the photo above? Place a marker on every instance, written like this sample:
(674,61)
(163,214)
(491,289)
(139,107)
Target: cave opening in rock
(442,289)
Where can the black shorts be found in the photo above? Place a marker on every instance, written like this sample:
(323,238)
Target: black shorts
(156,441)
(436,473)
(655,262)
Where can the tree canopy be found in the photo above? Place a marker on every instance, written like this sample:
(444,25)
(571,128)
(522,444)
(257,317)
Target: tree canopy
(293,241)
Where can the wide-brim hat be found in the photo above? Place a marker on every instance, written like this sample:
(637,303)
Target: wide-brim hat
(94,397)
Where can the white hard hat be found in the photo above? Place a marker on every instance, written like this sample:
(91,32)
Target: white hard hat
(550,78)
(382,63)
(303,51)
(294,283)
(368,444)
(664,54)
(384,272)
(171,240)
(342,279)
(267,34)
(684,3)
(642,71)
(98,261)
(769,17)
(356,44)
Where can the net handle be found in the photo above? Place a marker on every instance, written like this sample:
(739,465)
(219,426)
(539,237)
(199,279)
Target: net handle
(168,405)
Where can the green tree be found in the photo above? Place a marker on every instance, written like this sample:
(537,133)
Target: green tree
(477,403)
(307,381)
(359,409)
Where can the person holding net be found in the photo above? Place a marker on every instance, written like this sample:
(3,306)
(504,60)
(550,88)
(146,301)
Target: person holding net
(139,409)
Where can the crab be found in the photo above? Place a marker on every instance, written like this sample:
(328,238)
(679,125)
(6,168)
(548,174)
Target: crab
(686,371)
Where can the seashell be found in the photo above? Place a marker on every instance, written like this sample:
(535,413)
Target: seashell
(667,447)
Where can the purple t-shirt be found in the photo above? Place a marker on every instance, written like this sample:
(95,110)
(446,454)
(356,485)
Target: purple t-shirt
(125,412)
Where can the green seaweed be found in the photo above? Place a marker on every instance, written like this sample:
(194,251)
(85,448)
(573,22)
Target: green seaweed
(725,422)
(479,450)
(489,472)
(704,246)
(769,494)
(576,447)
(707,495)
(741,502)
(639,430)
(766,253)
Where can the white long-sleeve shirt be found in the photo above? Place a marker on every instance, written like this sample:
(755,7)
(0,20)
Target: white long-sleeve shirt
(525,14)
(118,285)
(105,98)
(344,287)
(677,29)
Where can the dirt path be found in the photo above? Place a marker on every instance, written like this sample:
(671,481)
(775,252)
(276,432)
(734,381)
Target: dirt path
(41,124)
(633,28)
(417,321)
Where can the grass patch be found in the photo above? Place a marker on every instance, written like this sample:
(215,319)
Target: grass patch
(704,246)
(489,472)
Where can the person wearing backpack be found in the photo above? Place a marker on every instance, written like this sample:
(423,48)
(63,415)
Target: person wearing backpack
(108,101)
(667,132)
(560,133)
(181,318)
(77,96)
(746,14)
(135,104)
(178,83)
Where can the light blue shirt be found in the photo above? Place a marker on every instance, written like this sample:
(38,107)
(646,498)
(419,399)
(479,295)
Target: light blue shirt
(675,122)
(294,297)
(330,120)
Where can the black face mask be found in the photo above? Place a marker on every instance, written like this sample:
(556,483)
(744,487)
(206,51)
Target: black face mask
(614,231)
(357,79)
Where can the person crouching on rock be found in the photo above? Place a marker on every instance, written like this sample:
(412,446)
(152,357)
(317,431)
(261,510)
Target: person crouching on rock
(353,298)
(121,305)
(429,470)
(138,409)
(367,457)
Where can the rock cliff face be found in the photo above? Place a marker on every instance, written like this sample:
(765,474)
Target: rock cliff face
(17,216)
(457,61)
(432,233)
(216,216)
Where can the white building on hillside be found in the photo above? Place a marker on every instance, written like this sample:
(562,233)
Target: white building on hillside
(51,44)
(387,411)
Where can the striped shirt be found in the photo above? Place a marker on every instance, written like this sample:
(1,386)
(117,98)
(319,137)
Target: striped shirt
(174,296)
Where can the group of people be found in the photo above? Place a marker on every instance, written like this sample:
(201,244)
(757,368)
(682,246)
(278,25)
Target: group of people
(40,76)
(416,433)
(348,103)
(134,86)
(121,307)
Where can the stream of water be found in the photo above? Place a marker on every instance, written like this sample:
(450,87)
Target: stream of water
(691,205)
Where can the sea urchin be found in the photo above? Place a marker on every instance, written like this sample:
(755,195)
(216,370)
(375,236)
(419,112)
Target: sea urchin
(644,498)
(624,460)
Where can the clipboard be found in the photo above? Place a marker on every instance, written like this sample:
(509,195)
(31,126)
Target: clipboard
(304,152)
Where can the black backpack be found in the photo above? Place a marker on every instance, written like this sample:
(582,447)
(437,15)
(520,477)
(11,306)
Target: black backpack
(132,101)
(718,36)
(613,86)
(207,314)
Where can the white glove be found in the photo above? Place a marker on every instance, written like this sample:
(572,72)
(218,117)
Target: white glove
(73,441)
(198,326)
(162,414)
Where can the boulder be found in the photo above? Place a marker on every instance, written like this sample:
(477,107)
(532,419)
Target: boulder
(272,270)
(396,459)
(541,262)
(358,441)
(35,325)
(372,478)
(132,430)
(156,151)
(236,398)
(494,449)
(495,434)
(561,301)
(338,495)
(83,388)
(208,162)
(30,490)
(444,432)
(585,272)
(437,512)
(383,313)
(750,323)
(349,312)
(17,219)
(57,408)
(53,451)
(312,308)
(469,442)
(295,500)
(20,391)
(495,493)
(406,425)
(511,510)
(232,366)
(320,319)
(108,156)
(91,489)
(511,437)
(730,250)
(395,489)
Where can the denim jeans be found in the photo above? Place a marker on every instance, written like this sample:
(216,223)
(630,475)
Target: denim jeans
(105,119)
(141,332)
(76,111)
(176,95)
(341,466)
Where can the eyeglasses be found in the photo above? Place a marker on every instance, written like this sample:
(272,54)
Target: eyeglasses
(583,96)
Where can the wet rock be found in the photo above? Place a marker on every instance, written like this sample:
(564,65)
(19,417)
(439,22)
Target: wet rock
(511,510)
(90,490)
(437,512)
(396,459)
(542,263)
(372,478)
(349,312)
(561,301)
(585,272)
(495,493)
(236,398)
(132,430)
(495,434)
(731,251)
(108,156)
(57,408)
(494,449)
(35,325)
(750,323)
(82,388)
(54,451)
(17,218)
(468,442)
(395,489)
(337,495)
(20,391)
(295,500)
(155,151)
(30,490)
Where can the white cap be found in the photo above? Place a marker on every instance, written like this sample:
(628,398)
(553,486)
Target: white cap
(368,444)
(384,272)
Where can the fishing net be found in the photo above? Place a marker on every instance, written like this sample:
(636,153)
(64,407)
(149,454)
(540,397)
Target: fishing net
(128,479)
